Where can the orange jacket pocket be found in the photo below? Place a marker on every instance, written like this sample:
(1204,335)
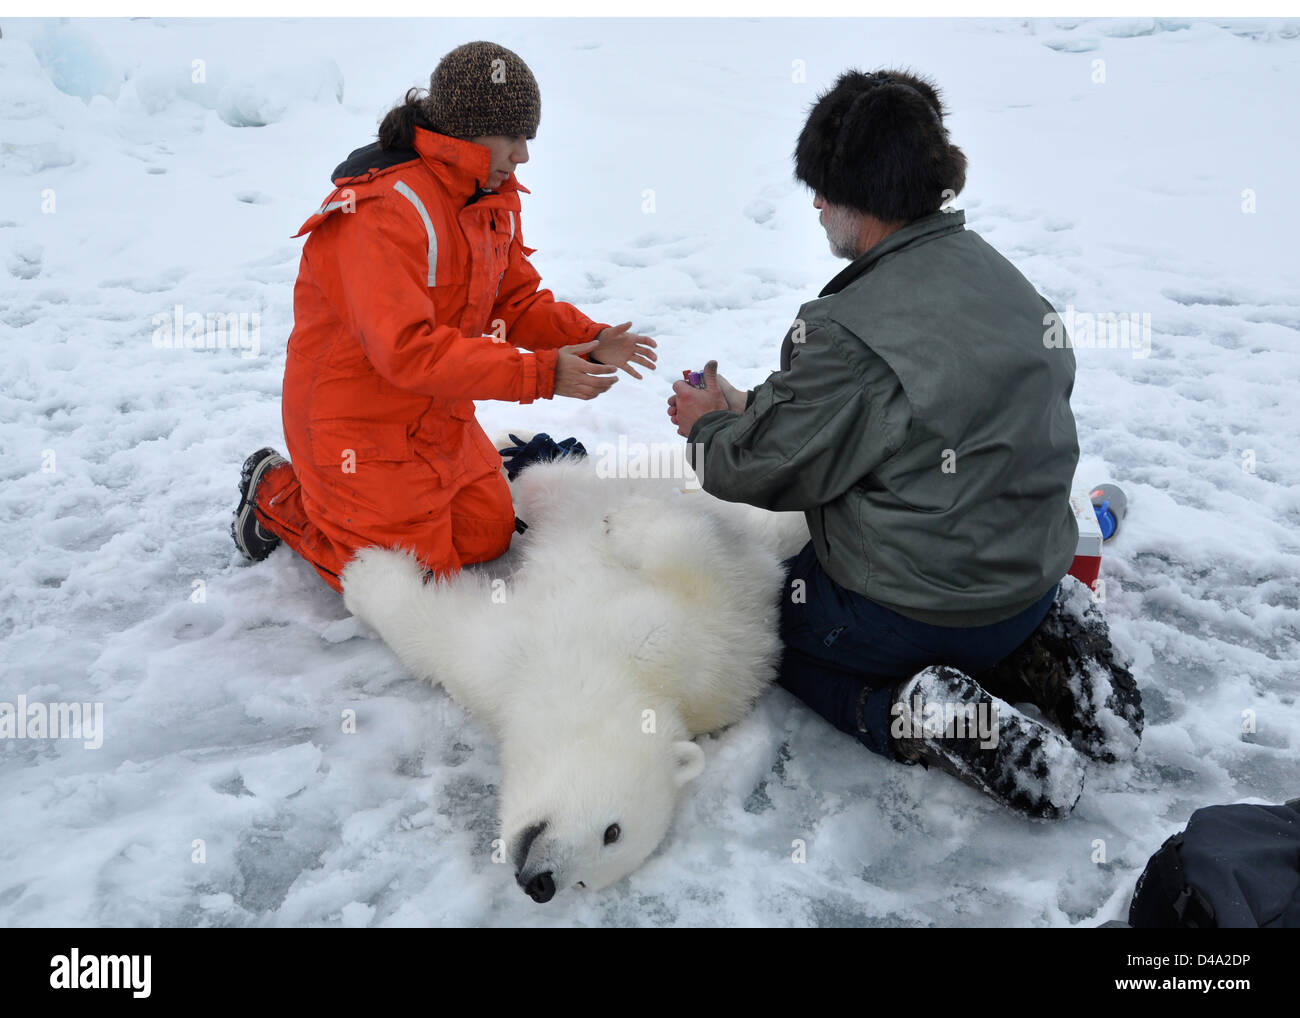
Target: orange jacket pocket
(344,442)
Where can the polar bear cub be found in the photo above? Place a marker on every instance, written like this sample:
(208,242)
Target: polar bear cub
(639,616)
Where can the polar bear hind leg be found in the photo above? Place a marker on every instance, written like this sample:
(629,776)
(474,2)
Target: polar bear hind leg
(442,631)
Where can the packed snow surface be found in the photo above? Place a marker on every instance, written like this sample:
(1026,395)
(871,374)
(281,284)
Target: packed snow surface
(153,169)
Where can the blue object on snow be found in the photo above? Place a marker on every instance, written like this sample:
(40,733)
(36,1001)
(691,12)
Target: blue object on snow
(1109,503)
(1105,520)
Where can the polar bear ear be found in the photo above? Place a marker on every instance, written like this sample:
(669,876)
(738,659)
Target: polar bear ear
(688,762)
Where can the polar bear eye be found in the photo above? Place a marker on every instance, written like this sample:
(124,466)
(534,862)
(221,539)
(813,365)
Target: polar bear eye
(611,834)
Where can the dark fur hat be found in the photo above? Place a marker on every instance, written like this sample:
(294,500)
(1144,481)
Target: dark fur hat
(876,143)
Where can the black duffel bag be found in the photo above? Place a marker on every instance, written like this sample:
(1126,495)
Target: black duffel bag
(1233,866)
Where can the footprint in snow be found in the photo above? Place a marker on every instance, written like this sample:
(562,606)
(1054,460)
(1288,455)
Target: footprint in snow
(160,284)
(1190,299)
(653,239)
(25,261)
(1072,45)
(1274,318)
(643,253)
(761,212)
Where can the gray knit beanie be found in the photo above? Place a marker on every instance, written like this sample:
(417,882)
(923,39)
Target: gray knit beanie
(483,88)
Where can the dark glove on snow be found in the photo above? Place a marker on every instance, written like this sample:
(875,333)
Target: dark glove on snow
(539,449)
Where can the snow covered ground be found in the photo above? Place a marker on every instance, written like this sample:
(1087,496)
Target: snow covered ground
(1159,181)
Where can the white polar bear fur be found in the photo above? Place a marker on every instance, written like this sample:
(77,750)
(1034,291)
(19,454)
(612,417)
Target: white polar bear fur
(640,616)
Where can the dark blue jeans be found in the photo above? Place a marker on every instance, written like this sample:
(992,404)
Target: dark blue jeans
(838,643)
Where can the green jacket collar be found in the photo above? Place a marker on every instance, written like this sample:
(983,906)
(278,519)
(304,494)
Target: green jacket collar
(936,224)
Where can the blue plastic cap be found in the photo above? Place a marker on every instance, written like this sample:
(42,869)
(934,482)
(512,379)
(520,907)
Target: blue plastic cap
(1105,520)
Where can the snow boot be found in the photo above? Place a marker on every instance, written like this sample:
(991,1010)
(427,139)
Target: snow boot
(942,717)
(251,538)
(1069,670)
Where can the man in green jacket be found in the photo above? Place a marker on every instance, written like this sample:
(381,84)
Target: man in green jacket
(923,425)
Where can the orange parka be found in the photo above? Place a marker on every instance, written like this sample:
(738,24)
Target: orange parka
(413,294)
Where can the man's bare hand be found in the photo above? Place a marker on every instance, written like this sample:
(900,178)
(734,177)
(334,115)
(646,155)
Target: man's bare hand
(622,349)
(688,404)
(735,397)
(579,378)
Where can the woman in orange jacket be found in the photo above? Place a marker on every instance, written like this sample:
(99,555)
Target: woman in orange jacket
(414,295)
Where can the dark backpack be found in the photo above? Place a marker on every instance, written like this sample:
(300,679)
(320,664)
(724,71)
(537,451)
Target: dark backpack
(1233,866)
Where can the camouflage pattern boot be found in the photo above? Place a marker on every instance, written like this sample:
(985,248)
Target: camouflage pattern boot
(1070,671)
(942,717)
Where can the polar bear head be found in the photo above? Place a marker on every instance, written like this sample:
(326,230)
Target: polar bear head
(592,809)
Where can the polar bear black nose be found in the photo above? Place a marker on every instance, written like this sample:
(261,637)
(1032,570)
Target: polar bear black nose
(541,887)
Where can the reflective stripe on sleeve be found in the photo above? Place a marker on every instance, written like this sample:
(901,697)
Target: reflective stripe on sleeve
(405,191)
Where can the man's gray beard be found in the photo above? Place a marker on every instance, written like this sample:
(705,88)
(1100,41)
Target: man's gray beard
(842,232)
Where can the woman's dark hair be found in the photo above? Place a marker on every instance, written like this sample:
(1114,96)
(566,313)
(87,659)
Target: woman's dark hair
(397,130)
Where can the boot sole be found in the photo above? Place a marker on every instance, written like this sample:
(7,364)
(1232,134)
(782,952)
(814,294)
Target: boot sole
(249,477)
(1031,769)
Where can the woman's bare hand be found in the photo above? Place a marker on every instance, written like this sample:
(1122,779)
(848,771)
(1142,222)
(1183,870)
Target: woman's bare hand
(622,349)
(579,378)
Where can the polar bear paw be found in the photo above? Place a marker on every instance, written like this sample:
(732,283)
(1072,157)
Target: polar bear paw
(660,537)
(379,583)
